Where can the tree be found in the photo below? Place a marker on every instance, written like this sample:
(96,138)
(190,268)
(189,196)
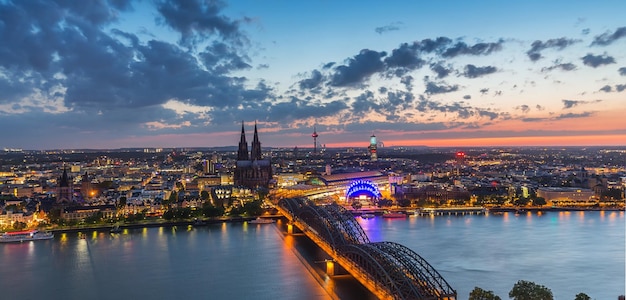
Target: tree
(404,202)
(527,290)
(204,195)
(480,294)
(582,296)
(253,208)
(19,225)
(539,201)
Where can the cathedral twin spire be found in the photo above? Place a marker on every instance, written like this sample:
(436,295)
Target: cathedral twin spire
(242,152)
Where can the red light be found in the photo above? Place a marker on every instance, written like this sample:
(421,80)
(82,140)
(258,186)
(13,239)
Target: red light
(460,154)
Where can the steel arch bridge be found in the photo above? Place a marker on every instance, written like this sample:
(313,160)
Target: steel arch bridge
(388,269)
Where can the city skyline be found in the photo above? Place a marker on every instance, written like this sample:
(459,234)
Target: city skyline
(114,74)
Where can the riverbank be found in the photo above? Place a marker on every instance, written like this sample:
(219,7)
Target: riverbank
(153,223)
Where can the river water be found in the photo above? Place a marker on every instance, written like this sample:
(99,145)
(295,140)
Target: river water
(568,252)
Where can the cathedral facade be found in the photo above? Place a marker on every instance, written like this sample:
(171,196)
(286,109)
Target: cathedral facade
(252,170)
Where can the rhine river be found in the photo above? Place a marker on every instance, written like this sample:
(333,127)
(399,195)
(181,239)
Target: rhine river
(568,252)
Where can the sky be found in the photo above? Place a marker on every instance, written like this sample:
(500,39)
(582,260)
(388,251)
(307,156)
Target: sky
(106,74)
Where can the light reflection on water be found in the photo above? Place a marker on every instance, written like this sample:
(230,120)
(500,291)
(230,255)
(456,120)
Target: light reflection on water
(568,252)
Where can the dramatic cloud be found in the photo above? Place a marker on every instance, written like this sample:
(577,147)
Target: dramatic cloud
(537,46)
(597,60)
(391,27)
(404,59)
(472,71)
(620,87)
(358,68)
(608,38)
(622,71)
(197,21)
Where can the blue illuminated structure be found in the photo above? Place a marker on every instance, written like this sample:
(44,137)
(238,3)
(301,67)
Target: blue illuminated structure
(362,187)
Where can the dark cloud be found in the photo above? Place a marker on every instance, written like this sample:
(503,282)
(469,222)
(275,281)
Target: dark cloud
(408,82)
(461,48)
(314,81)
(358,68)
(537,46)
(608,38)
(437,45)
(564,67)
(440,69)
(404,59)
(620,87)
(606,88)
(299,109)
(459,109)
(534,119)
(573,115)
(439,88)
(391,27)
(484,91)
(622,71)
(571,103)
(197,20)
(524,108)
(597,60)
(472,71)
(467,97)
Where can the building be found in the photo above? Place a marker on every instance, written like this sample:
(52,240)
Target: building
(565,194)
(252,170)
(372,148)
(64,189)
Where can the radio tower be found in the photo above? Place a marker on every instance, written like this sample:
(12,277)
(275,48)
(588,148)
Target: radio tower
(314,135)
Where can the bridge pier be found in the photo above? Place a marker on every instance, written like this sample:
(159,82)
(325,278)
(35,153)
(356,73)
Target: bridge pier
(330,267)
(290,228)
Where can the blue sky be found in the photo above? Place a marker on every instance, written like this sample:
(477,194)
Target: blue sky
(111,74)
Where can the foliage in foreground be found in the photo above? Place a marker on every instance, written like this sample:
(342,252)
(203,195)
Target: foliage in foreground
(522,290)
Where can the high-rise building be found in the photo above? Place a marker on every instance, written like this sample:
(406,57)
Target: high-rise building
(372,148)
(252,170)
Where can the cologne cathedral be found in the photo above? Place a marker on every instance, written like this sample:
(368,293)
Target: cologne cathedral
(252,170)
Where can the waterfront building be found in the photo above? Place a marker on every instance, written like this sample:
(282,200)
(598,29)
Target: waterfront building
(252,170)
(565,194)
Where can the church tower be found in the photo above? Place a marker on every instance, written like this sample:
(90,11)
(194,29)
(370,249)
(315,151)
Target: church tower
(256,146)
(64,189)
(242,152)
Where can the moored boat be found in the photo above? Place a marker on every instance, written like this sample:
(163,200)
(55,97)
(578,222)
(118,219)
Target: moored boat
(25,236)
(367,216)
(260,220)
(394,215)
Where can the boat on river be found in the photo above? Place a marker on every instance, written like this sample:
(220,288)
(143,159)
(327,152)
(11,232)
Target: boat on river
(25,236)
(394,215)
(260,220)
(367,216)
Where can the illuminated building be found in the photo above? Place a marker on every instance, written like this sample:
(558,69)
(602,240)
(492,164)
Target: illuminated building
(372,148)
(252,170)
